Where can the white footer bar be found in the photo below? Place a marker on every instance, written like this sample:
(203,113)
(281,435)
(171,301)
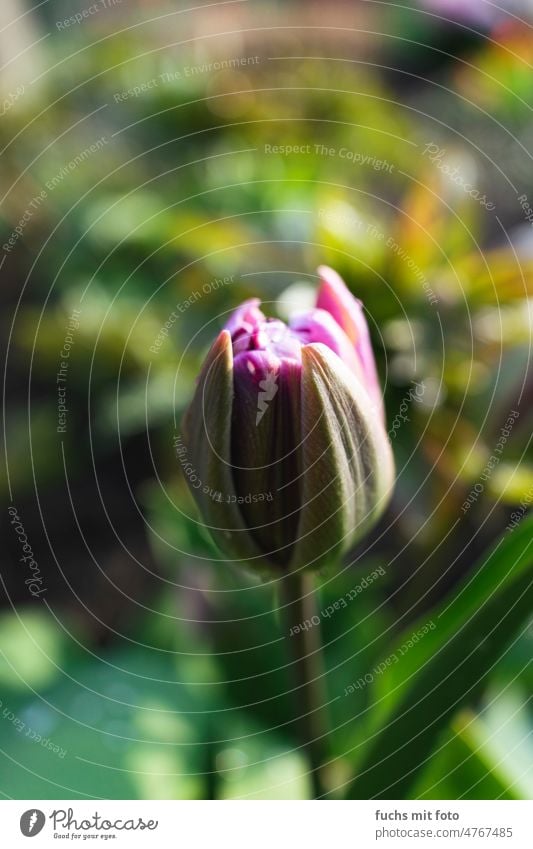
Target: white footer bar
(268,825)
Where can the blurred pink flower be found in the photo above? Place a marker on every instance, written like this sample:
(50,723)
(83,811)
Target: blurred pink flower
(466,11)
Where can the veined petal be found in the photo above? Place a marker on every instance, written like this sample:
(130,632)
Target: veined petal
(347,464)
(335,297)
(207,439)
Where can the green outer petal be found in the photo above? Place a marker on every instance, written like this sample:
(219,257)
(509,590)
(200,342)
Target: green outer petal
(347,463)
(207,436)
(266,458)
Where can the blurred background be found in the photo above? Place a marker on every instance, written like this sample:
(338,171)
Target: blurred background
(159,165)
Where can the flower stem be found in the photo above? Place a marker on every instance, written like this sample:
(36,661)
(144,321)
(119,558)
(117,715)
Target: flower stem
(307,669)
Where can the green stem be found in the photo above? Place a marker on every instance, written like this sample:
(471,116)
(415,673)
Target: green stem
(307,669)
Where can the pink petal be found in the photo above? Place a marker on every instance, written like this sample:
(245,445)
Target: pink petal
(319,326)
(252,367)
(245,319)
(335,297)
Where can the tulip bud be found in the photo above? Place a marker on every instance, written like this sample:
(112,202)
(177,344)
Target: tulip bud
(286,432)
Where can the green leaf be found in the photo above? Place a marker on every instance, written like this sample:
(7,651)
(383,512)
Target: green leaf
(465,765)
(416,695)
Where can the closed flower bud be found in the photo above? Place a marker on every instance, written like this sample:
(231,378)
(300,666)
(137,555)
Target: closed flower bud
(287,426)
